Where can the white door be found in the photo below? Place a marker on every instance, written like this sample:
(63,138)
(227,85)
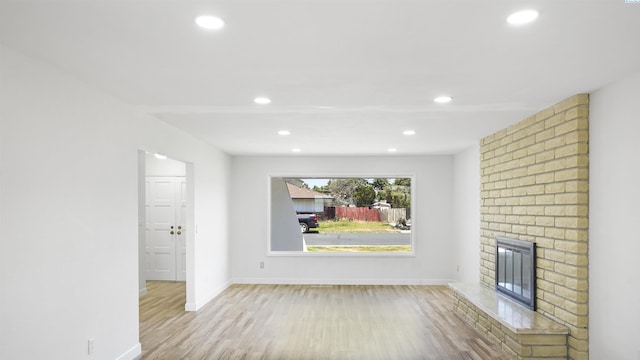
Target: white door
(165,231)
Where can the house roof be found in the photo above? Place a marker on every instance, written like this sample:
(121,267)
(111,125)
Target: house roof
(300,193)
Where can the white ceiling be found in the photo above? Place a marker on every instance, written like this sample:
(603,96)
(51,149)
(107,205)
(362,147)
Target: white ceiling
(345,77)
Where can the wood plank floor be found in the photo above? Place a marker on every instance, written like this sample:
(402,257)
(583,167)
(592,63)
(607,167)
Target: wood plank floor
(308,322)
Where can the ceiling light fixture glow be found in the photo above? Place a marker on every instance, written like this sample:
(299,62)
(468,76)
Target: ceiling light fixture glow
(409,132)
(262,100)
(522,17)
(392,150)
(443,99)
(295,150)
(284,132)
(209,22)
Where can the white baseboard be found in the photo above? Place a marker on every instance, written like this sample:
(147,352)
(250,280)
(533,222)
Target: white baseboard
(195,306)
(288,281)
(142,291)
(437,281)
(132,353)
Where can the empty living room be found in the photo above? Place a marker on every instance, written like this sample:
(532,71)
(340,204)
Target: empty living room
(148,149)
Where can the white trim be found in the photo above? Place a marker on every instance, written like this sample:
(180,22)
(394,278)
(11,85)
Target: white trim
(331,175)
(132,353)
(436,282)
(142,291)
(305,253)
(281,281)
(190,306)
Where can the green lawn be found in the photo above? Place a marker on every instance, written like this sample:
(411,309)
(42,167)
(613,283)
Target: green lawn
(354,227)
(359,248)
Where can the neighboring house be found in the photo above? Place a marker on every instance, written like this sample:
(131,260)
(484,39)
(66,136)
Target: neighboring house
(381,205)
(308,201)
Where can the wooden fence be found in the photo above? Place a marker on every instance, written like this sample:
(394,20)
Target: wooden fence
(392,215)
(358,213)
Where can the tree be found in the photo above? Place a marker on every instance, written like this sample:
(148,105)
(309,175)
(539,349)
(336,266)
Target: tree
(320,189)
(380,184)
(388,195)
(401,200)
(364,195)
(402,182)
(342,189)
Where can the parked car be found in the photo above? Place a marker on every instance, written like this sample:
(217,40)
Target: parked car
(307,221)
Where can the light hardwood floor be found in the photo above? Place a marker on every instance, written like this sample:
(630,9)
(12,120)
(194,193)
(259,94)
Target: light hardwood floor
(308,322)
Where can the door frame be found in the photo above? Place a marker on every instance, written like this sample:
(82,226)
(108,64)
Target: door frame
(190,221)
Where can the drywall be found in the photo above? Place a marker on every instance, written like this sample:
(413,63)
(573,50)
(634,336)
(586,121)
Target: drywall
(69,253)
(69,190)
(466,212)
(614,212)
(432,222)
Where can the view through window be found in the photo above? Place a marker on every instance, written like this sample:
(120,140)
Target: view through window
(341,215)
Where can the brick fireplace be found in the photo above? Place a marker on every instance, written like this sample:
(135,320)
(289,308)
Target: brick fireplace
(534,187)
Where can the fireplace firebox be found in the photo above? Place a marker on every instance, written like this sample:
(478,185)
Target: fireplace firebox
(516,270)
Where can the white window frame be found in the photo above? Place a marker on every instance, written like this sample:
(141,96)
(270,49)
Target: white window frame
(325,175)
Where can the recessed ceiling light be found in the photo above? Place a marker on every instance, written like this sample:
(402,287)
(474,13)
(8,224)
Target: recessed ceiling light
(295,150)
(392,150)
(409,132)
(159,156)
(284,132)
(262,100)
(522,17)
(209,22)
(443,99)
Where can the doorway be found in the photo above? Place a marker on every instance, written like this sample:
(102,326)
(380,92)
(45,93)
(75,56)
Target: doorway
(166,179)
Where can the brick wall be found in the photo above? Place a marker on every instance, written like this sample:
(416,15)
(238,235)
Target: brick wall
(534,178)
(520,346)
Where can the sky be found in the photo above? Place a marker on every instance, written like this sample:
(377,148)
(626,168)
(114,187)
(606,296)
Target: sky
(315,182)
(323,181)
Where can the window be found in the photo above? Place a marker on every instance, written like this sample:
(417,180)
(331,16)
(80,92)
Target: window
(315,215)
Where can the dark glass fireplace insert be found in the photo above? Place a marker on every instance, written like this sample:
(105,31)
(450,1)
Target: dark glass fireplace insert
(516,270)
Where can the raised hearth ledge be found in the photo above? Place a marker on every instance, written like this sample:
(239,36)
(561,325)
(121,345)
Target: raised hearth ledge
(512,315)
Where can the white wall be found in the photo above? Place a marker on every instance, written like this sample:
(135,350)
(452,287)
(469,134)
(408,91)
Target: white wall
(69,243)
(466,204)
(432,222)
(614,214)
(68,184)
